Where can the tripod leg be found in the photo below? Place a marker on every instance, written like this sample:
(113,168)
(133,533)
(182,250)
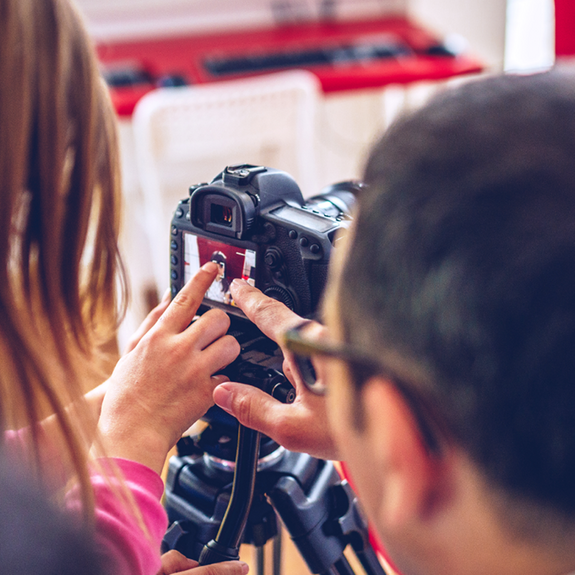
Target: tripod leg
(369,561)
(260,560)
(304,515)
(341,567)
(277,553)
(322,519)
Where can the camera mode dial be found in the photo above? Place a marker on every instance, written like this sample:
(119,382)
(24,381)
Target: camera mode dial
(241,174)
(282,295)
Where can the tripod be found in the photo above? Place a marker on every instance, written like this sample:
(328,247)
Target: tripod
(215,504)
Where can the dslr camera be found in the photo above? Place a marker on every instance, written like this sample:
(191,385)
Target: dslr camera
(253,222)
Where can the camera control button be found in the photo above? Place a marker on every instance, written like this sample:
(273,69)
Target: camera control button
(273,258)
(174,231)
(173,260)
(270,230)
(304,242)
(174,245)
(292,235)
(174,274)
(179,213)
(314,249)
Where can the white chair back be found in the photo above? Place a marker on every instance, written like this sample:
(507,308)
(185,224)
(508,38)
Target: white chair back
(187,135)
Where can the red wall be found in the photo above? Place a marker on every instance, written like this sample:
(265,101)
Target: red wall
(564,27)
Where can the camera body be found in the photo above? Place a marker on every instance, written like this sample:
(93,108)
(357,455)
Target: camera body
(253,222)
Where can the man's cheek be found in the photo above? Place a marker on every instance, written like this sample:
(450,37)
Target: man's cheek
(339,402)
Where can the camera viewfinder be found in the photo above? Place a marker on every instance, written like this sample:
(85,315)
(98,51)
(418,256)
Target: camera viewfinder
(222,215)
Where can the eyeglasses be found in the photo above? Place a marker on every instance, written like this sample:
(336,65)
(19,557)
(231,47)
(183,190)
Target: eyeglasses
(364,367)
(303,349)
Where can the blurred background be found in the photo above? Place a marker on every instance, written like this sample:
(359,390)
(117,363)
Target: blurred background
(305,86)
(301,85)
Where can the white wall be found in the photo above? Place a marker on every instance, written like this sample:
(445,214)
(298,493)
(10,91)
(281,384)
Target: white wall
(114,19)
(530,38)
(480,22)
(348,123)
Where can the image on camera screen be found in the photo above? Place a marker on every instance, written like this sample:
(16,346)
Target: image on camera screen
(233,263)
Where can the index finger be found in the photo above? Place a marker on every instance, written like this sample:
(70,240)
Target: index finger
(184,306)
(272,317)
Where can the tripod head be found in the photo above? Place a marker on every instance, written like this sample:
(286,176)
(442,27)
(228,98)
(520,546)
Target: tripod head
(319,510)
(225,449)
(214,503)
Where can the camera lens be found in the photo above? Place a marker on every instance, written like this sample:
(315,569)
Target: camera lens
(222,215)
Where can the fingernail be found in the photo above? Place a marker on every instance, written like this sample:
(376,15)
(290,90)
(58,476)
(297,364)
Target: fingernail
(210,267)
(223,397)
(245,567)
(166,295)
(238,282)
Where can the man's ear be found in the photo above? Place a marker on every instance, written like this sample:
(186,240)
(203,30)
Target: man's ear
(412,480)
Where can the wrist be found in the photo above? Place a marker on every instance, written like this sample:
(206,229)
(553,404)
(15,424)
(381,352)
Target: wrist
(139,444)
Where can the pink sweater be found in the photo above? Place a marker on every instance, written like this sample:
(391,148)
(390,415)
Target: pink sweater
(118,534)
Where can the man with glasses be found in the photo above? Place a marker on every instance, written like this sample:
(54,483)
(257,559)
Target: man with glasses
(445,373)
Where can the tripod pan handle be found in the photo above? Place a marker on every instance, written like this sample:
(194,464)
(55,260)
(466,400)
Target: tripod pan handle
(214,552)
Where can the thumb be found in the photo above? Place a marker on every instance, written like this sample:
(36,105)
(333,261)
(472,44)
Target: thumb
(174,562)
(250,406)
(224,568)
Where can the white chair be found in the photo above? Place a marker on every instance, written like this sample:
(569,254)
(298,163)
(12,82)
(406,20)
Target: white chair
(184,136)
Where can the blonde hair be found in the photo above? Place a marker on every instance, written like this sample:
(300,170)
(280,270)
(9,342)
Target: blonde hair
(59,178)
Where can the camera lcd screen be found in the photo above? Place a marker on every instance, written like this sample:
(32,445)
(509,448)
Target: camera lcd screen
(305,219)
(233,262)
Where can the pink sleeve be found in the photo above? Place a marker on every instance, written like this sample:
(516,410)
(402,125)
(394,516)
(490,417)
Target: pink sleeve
(118,533)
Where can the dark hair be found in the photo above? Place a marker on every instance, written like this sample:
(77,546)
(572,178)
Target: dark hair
(468,225)
(218,257)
